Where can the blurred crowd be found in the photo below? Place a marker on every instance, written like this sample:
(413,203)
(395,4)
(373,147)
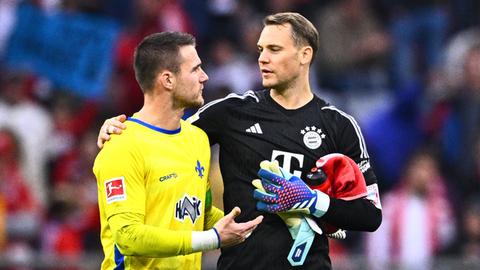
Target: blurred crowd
(408,70)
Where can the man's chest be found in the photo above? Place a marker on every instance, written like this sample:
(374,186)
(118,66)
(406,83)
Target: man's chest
(295,141)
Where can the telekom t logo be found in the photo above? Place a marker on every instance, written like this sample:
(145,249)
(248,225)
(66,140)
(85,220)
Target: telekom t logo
(287,160)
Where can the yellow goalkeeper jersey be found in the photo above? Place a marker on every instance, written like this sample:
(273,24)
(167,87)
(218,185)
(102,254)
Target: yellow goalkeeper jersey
(160,176)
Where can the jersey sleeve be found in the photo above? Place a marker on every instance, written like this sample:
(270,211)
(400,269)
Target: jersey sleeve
(119,170)
(212,216)
(352,144)
(134,238)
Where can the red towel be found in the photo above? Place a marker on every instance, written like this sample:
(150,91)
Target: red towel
(344,180)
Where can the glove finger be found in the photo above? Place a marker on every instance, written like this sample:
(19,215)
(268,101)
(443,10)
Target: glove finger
(267,207)
(262,206)
(264,197)
(258,184)
(269,187)
(272,166)
(270,176)
(275,168)
(265,164)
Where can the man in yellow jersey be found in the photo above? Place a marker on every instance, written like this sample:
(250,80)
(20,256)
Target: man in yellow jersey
(153,189)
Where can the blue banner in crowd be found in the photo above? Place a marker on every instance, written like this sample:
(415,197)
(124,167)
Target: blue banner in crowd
(73,50)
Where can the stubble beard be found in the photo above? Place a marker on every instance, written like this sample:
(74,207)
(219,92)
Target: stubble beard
(185,103)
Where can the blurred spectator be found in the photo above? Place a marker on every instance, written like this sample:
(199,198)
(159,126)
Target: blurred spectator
(419,29)
(393,134)
(22,211)
(222,18)
(457,123)
(465,13)
(150,16)
(353,47)
(61,242)
(75,184)
(453,63)
(418,220)
(467,246)
(73,224)
(71,116)
(470,241)
(7,21)
(33,125)
(230,70)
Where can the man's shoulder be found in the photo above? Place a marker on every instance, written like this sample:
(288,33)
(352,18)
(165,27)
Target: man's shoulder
(234,98)
(195,131)
(232,101)
(125,141)
(334,112)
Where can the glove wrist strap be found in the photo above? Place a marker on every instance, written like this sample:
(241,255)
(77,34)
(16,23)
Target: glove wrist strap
(321,204)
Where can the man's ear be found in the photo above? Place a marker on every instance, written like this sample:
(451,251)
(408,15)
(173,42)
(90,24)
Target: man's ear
(166,79)
(306,54)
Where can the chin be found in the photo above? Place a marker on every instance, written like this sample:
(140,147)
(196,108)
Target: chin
(198,103)
(267,84)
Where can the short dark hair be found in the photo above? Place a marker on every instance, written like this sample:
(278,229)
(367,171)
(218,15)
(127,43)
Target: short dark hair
(303,31)
(157,52)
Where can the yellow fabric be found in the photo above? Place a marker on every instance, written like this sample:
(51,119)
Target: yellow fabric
(212,215)
(153,177)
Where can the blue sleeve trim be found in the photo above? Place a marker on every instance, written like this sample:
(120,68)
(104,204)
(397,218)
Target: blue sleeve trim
(218,237)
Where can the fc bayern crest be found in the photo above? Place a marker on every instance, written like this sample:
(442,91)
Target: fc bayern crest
(312,137)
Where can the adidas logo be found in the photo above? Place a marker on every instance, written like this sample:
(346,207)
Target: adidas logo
(255,129)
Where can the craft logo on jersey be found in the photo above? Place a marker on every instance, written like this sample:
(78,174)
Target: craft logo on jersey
(312,137)
(188,207)
(167,177)
(115,189)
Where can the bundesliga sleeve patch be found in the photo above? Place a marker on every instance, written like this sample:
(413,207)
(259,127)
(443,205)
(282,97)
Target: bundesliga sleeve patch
(115,190)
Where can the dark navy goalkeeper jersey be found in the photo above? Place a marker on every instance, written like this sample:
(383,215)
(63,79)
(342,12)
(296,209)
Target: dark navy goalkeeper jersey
(253,127)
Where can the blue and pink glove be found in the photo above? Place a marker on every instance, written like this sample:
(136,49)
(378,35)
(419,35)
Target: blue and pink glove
(284,192)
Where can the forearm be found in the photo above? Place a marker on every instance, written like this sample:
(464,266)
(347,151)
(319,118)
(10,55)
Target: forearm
(355,215)
(134,238)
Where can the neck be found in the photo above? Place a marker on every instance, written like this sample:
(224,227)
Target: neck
(159,111)
(293,96)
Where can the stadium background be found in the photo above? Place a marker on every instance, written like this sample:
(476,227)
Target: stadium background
(409,71)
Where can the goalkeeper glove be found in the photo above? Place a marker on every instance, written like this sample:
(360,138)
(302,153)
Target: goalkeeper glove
(299,228)
(287,193)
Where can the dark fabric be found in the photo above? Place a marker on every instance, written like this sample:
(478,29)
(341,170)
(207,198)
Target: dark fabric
(296,138)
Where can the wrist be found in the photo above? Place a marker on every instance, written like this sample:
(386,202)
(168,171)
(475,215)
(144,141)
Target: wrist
(321,205)
(205,240)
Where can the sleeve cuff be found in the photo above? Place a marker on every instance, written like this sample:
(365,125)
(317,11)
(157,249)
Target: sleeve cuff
(206,240)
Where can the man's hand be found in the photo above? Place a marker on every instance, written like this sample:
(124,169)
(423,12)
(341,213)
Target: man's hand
(111,125)
(231,232)
(287,193)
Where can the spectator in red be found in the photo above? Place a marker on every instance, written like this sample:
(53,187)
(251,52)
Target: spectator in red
(22,211)
(417,211)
